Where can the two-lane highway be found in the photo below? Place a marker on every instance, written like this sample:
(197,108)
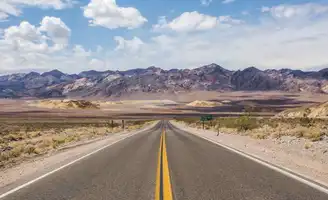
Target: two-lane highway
(166,163)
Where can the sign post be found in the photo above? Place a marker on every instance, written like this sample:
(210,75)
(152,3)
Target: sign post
(206,118)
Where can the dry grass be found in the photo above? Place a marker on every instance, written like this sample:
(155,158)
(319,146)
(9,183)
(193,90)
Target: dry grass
(21,139)
(262,128)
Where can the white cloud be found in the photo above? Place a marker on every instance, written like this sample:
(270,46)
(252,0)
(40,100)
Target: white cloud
(96,64)
(52,35)
(7,8)
(206,2)
(108,14)
(24,38)
(56,29)
(56,4)
(270,43)
(193,21)
(25,31)
(28,47)
(228,1)
(79,51)
(13,7)
(132,45)
(3,16)
(286,11)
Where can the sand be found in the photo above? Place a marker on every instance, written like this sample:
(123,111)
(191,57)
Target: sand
(205,104)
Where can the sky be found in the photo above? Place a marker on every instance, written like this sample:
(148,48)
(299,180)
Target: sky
(78,35)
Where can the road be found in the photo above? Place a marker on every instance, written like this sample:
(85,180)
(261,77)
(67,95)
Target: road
(166,163)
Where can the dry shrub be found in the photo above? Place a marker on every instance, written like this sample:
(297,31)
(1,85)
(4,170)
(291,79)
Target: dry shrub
(259,135)
(30,149)
(308,145)
(57,141)
(17,151)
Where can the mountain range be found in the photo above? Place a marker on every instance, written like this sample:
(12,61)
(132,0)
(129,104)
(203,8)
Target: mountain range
(156,80)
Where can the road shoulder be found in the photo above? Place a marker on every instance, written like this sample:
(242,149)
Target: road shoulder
(311,167)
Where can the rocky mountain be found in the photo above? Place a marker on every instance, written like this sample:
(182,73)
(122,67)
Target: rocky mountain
(156,80)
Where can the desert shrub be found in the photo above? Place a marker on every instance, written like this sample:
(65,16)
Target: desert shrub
(12,137)
(227,122)
(44,143)
(57,141)
(17,151)
(308,145)
(305,120)
(30,149)
(315,135)
(71,138)
(4,156)
(259,135)
(245,123)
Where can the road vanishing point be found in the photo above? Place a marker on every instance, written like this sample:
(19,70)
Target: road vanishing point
(165,163)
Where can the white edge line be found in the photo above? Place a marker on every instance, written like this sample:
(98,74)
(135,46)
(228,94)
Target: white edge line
(279,169)
(68,164)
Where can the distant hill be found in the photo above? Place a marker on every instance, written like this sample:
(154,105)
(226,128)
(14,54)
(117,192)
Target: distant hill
(156,80)
(314,111)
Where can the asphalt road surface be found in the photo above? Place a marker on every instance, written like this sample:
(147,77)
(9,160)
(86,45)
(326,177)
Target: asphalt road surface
(194,168)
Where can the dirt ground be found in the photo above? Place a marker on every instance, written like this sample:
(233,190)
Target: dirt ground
(171,105)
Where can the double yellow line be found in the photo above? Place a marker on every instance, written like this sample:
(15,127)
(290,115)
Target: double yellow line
(163,183)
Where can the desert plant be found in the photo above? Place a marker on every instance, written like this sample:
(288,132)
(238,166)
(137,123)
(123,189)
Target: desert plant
(245,123)
(29,149)
(305,120)
(308,145)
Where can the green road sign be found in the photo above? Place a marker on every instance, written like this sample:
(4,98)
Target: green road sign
(206,118)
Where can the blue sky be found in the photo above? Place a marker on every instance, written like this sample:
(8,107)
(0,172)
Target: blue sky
(81,35)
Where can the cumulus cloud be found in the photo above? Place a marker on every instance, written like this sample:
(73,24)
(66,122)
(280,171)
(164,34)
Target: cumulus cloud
(51,35)
(28,47)
(25,31)
(270,43)
(25,37)
(286,11)
(193,21)
(108,14)
(132,45)
(56,29)
(13,7)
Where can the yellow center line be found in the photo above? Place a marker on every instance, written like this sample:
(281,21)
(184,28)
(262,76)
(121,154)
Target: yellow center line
(163,181)
(158,174)
(167,192)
